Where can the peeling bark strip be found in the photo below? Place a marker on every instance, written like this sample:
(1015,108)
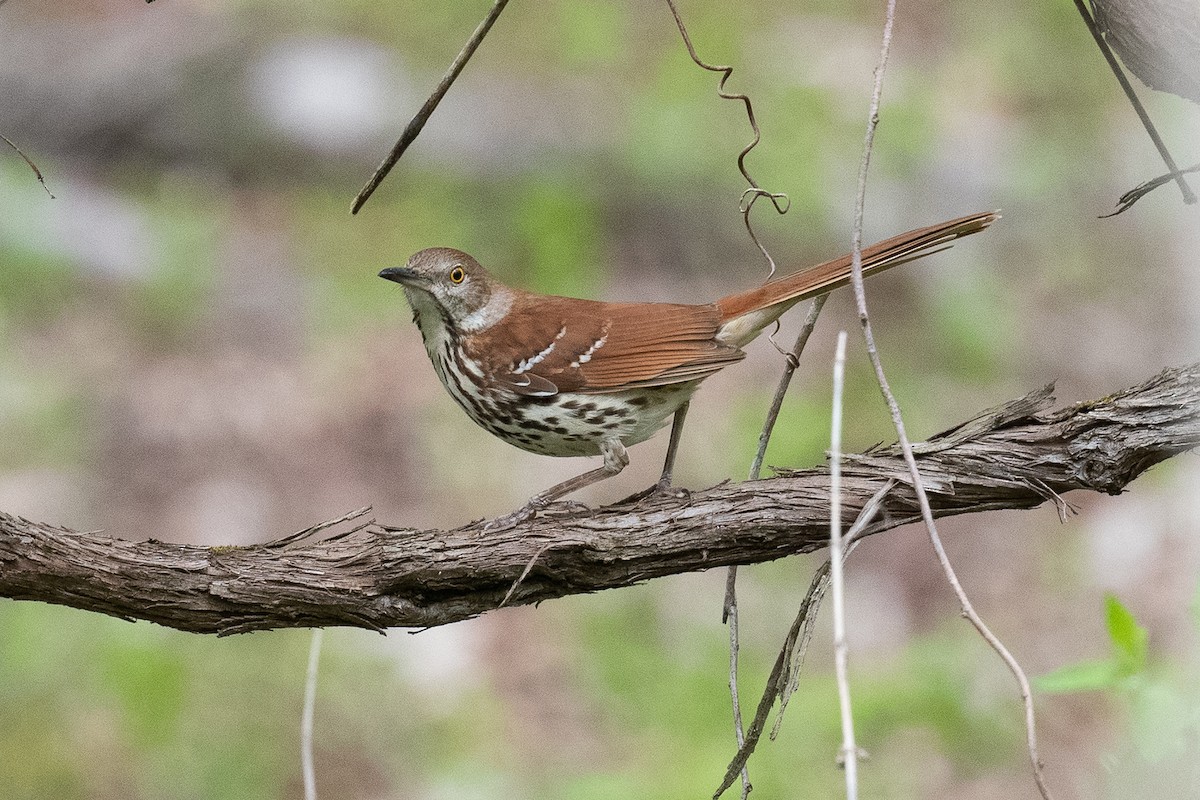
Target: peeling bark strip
(372,576)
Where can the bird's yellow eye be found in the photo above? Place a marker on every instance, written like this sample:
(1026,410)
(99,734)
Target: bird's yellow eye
(457,275)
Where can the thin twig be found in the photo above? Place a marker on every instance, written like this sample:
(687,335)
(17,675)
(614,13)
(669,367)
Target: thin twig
(524,574)
(800,647)
(731,616)
(417,123)
(1111,58)
(729,609)
(849,754)
(793,360)
(36,172)
(784,675)
(775,682)
(860,300)
(306,719)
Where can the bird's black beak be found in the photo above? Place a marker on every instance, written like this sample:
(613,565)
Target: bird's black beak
(402,275)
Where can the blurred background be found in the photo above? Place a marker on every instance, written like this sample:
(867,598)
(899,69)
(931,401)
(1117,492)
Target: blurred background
(194,346)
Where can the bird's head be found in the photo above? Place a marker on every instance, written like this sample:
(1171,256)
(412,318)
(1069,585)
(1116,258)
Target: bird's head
(452,284)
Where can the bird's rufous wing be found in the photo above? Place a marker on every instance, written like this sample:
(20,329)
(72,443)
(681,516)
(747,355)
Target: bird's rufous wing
(586,346)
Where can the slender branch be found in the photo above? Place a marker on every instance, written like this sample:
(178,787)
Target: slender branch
(307,763)
(785,675)
(37,173)
(860,299)
(417,123)
(792,358)
(731,619)
(778,678)
(1126,201)
(374,576)
(849,753)
(968,608)
(841,651)
(729,609)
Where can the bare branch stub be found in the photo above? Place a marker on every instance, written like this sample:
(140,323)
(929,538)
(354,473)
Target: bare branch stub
(377,577)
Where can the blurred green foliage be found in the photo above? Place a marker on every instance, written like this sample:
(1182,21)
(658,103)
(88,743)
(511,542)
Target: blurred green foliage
(93,708)
(166,303)
(1160,700)
(1129,644)
(1128,658)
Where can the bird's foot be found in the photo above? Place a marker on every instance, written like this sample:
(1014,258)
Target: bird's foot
(661,489)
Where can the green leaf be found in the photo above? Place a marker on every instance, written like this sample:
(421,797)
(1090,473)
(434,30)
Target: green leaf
(1130,640)
(1086,676)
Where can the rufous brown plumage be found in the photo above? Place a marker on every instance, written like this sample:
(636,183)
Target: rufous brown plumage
(562,376)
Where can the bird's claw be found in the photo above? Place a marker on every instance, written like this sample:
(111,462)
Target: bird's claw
(661,489)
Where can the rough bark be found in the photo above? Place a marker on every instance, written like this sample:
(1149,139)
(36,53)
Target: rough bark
(375,576)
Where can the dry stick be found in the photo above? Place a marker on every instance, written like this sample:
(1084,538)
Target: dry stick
(793,361)
(1110,57)
(967,609)
(800,647)
(730,614)
(860,300)
(729,608)
(36,172)
(306,719)
(786,671)
(777,680)
(849,757)
(413,129)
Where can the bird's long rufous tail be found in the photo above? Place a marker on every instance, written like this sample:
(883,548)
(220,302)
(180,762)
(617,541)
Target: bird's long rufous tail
(746,313)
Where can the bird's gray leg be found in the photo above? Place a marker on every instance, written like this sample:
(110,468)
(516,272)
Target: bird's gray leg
(616,458)
(664,482)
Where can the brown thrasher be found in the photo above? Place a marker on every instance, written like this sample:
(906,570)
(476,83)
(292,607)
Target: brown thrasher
(566,377)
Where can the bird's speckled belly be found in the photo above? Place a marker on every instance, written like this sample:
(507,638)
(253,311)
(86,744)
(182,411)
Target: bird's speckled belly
(574,424)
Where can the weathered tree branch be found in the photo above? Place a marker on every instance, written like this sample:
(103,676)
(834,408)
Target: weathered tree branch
(372,576)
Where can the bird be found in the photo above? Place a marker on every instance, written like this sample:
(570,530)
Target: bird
(562,376)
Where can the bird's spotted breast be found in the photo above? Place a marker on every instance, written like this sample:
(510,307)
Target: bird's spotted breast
(565,424)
